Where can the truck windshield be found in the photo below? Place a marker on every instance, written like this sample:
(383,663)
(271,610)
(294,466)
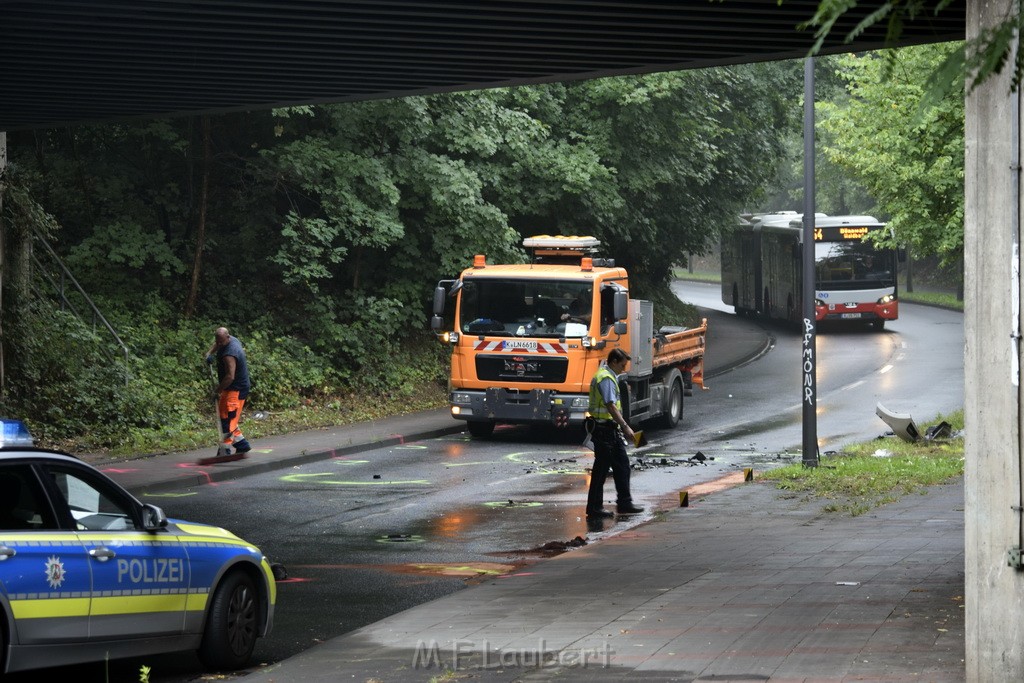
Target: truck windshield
(526,308)
(853,265)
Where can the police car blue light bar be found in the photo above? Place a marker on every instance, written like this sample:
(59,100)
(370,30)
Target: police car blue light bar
(14,433)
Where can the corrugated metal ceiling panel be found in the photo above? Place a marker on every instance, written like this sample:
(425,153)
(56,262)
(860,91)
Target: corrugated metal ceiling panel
(68,61)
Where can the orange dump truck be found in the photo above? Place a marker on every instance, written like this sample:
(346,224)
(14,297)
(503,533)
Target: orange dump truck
(527,338)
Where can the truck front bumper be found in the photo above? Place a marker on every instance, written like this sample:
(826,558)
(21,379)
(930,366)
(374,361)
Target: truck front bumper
(513,406)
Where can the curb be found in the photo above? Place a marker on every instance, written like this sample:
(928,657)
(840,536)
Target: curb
(253,465)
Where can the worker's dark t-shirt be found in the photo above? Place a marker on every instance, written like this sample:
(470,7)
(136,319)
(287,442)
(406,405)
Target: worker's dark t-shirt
(241,382)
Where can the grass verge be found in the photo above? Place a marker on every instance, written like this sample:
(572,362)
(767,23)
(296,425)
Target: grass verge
(866,475)
(257,424)
(940,299)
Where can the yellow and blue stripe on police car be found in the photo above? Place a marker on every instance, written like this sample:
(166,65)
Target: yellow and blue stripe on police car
(104,584)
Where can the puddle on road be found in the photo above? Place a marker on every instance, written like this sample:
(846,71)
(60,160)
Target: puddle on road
(759,427)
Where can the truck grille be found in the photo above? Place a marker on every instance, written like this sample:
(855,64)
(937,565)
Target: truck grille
(520,368)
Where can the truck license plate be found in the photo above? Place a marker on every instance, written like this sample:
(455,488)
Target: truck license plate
(520,344)
(849,316)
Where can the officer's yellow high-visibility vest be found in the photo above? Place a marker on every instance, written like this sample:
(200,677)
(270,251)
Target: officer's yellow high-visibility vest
(598,410)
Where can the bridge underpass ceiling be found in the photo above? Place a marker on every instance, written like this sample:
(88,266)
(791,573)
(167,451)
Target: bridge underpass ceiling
(73,61)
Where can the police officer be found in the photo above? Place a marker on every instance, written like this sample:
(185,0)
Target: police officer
(610,432)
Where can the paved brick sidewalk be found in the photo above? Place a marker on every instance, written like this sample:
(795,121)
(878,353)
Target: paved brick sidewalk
(746,584)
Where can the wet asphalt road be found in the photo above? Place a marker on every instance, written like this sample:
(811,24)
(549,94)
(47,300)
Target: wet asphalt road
(375,533)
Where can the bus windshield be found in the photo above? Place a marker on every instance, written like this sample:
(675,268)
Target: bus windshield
(853,265)
(526,308)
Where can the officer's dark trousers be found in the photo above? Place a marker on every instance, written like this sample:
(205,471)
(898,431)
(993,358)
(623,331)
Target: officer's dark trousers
(609,452)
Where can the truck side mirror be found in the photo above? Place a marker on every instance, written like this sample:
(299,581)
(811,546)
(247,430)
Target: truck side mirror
(439,295)
(620,309)
(901,254)
(436,323)
(620,328)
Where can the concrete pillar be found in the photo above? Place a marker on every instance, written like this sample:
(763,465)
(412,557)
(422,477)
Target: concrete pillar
(994,591)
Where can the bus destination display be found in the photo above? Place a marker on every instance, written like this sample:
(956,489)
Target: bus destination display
(841,233)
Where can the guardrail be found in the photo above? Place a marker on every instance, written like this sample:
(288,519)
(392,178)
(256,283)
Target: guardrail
(60,286)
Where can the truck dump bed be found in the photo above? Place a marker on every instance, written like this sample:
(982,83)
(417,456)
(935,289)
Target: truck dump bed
(680,346)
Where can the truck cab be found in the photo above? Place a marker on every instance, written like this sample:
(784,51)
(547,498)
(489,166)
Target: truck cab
(526,339)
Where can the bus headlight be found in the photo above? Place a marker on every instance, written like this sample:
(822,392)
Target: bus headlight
(819,302)
(887,299)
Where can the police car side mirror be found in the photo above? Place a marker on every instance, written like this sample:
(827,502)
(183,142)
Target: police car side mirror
(153,518)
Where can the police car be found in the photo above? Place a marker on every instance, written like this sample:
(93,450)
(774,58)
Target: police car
(88,572)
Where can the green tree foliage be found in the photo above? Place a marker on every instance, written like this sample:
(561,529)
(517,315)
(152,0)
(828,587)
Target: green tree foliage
(686,151)
(325,228)
(907,153)
(984,55)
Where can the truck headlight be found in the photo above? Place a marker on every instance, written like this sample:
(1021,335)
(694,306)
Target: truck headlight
(461,397)
(450,337)
(581,402)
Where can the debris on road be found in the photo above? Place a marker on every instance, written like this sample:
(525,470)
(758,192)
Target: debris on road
(645,464)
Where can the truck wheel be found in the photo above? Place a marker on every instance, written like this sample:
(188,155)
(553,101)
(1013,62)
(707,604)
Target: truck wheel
(674,408)
(232,625)
(480,430)
(625,402)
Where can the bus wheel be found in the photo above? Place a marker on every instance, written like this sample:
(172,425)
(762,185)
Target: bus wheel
(674,408)
(879,324)
(481,430)
(767,304)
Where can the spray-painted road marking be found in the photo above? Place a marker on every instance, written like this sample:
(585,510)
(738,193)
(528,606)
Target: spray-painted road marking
(513,504)
(313,478)
(350,462)
(517,457)
(168,495)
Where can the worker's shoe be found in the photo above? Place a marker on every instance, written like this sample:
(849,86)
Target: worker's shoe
(630,509)
(597,514)
(242,447)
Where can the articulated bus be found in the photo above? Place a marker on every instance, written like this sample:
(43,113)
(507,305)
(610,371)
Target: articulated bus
(855,281)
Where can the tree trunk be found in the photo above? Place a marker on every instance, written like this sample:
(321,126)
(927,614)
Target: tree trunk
(910,271)
(197,260)
(15,277)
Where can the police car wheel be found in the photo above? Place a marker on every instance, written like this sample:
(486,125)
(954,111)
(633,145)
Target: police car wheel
(4,639)
(232,625)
